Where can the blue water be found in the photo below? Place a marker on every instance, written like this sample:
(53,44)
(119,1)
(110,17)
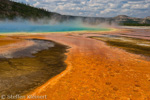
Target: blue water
(9,27)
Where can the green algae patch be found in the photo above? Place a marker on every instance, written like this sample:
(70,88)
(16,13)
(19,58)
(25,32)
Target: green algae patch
(23,74)
(133,45)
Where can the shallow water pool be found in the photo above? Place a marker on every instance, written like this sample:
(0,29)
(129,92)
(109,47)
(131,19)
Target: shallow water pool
(9,27)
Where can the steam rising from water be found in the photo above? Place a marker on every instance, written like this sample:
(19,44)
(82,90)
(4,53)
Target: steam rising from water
(47,26)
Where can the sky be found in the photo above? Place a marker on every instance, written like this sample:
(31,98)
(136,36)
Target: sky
(94,8)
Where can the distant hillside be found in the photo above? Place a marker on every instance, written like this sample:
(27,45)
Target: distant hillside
(11,10)
(131,21)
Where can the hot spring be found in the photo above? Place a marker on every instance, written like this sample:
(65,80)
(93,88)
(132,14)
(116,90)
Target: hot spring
(25,26)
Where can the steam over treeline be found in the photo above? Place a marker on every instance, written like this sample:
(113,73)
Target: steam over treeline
(10,10)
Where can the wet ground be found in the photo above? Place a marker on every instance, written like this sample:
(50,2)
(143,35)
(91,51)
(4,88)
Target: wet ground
(29,68)
(97,71)
(133,45)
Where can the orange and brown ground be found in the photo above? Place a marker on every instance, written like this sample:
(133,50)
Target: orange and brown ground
(96,71)
(11,44)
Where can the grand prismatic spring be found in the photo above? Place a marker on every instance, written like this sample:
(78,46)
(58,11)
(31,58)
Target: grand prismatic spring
(76,65)
(26,26)
(49,56)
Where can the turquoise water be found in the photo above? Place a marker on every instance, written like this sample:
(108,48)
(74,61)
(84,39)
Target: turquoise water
(9,27)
